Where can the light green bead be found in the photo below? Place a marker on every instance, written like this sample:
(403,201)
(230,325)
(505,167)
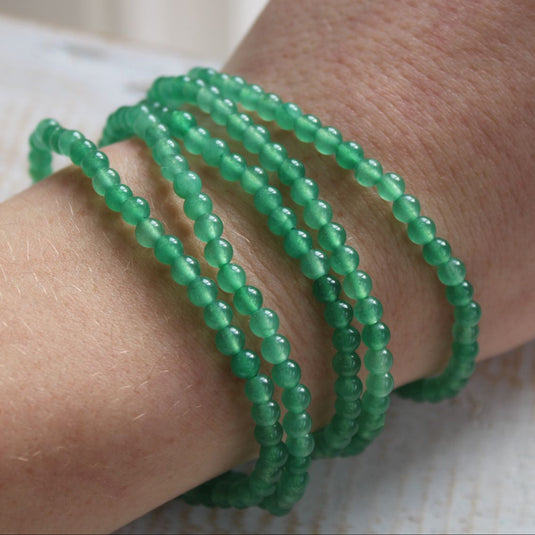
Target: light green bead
(406,208)
(349,388)
(327,140)
(196,139)
(259,389)
(218,315)
(248,300)
(465,334)
(460,294)
(452,272)
(232,85)
(135,209)
(232,166)
(66,139)
(250,94)
(231,277)
(286,374)
(202,291)
(245,364)
(287,115)
(357,285)
(331,236)
(327,289)
(164,149)
(338,314)
(222,109)
(378,361)
(344,260)
(349,154)
(94,162)
(196,205)
(267,106)
(187,184)
(116,196)
(314,264)
(296,399)
(237,124)
(148,232)
(218,252)
(297,423)
(297,243)
(255,137)
(373,404)
(306,127)
(348,408)
(266,413)
(304,190)
(346,339)
(267,199)
(104,179)
(468,315)
(368,172)
(290,170)
(281,220)
(253,179)
(272,156)
(368,310)
(214,150)
(184,269)
(173,166)
(437,251)
(346,364)
(390,187)
(206,98)
(208,227)
(421,230)
(180,122)
(155,133)
(380,384)
(275,349)
(79,149)
(168,248)
(264,323)
(376,336)
(230,340)
(317,213)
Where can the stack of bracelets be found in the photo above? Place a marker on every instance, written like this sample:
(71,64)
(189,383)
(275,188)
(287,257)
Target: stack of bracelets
(280,475)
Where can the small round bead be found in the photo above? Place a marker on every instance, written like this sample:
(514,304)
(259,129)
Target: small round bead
(230,340)
(93,162)
(267,199)
(254,179)
(466,351)
(378,361)
(168,248)
(306,127)
(66,139)
(221,111)
(297,423)
(272,156)
(461,294)
(202,291)
(265,413)
(164,149)
(231,277)
(304,190)
(245,364)
(255,137)
(376,336)
(259,389)
(317,213)
(346,364)
(357,285)
(406,208)
(180,122)
(267,107)
(135,209)
(184,269)
(80,149)
(268,435)
(247,300)
(465,334)
(380,384)
(44,126)
(300,446)
(344,260)
(174,166)
(287,114)
(349,154)
(327,289)
(197,205)
(348,408)
(237,124)
(154,133)
(206,98)
(327,140)
(275,349)
(390,187)
(331,236)
(437,252)
(452,272)
(218,315)
(368,310)
(346,340)
(104,179)
(421,230)
(314,264)
(368,172)
(232,166)
(187,184)
(290,170)
(281,220)
(338,314)
(208,227)
(250,94)
(218,252)
(297,398)
(116,196)
(468,315)
(149,231)
(214,150)
(297,243)
(349,388)
(264,323)
(196,139)
(286,374)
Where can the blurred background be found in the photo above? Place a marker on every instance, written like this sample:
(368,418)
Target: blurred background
(192,28)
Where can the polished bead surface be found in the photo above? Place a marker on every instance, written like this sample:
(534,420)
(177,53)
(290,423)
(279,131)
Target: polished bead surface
(327,140)
(259,389)
(149,231)
(218,315)
(254,179)
(218,252)
(297,243)
(437,252)
(344,260)
(202,291)
(346,339)
(248,300)
(421,230)
(135,209)
(357,284)
(168,248)
(184,269)
(326,289)
(286,374)
(264,323)
(275,349)
(245,364)
(208,227)
(368,310)
(349,154)
(231,277)
(314,264)
(317,213)
(230,340)
(390,187)
(452,272)
(281,220)
(376,336)
(406,208)
(297,398)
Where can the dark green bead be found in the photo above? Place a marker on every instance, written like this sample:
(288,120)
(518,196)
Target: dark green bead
(230,340)
(327,289)
(390,187)
(232,166)
(259,389)
(287,115)
(437,252)
(208,227)
(174,166)
(104,179)
(290,170)
(245,364)
(406,208)
(218,252)
(380,384)
(184,269)
(250,94)
(331,236)
(218,315)
(272,156)
(135,209)
(267,199)
(338,314)
(267,107)
(66,139)
(248,300)
(379,361)
(116,196)
(346,364)
(349,154)
(265,413)
(304,190)
(346,339)
(452,272)
(368,310)
(168,248)
(298,465)
(317,213)
(275,455)
(314,264)
(300,446)
(94,162)
(287,374)
(297,423)
(254,179)
(275,349)
(264,323)
(421,230)
(465,334)
(357,285)
(231,277)
(180,122)
(348,408)
(327,140)
(214,150)
(376,336)
(255,137)
(268,435)
(196,139)
(221,111)
(80,149)
(297,243)
(53,138)
(375,404)
(464,352)
(237,124)
(148,232)
(344,426)
(297,398)
(348,387)
(344,260)
(468,315)
(281,220)
(202,291)
(368,172)
(197,205)
(306,127)
(461,294)
(187,184)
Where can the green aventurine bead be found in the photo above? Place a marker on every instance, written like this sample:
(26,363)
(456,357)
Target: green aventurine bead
(465,334)
(116,196)
(268,435)
(245,364)
(461,294)
(368,310)
(231,277)
(104,179)
(452,272)
(196,139)
(326,289)
(327,140)
(230,340)
(297,423)
(436,252)
(300,446)
(250,94)
(368,172)
(267,199)
(376,336)
(180,122)
(468,315)
(290,170)
(264,323)
(272,156)
(275,349)
(380,384)
(304,190)
(306,127)
(357,285)
(214,150)
(237,124)
(287,114)
(168,248)
(259,389)
(346,339)
(187,184)
(174,166)
(314,264)
(349,154)
(197,205)
(267,106)
(222,110)
(202,291)
(184,269)
(378,361)
(287,374)
(164,149)
(254,179)
(80,149)
(281,220)
(218,252)
(406,208)
(348,408)
(149,231)
(218,315)
(346,364)
(344,260)
(255,137)
(232,166)
(317,213)
(348,387)
(296,399)
(93,162)
(135,209)
(247,300)
(331,236)
(265,413)
(297,243)
(338,314)
(66,139)
(390,187)
(421,230)
(208,227)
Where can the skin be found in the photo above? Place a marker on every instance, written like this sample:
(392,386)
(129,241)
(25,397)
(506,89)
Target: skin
(113,398)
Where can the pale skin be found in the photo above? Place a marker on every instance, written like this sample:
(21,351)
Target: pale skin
(114,399)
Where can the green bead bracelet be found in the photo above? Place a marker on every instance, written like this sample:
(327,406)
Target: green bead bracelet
(287,443)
